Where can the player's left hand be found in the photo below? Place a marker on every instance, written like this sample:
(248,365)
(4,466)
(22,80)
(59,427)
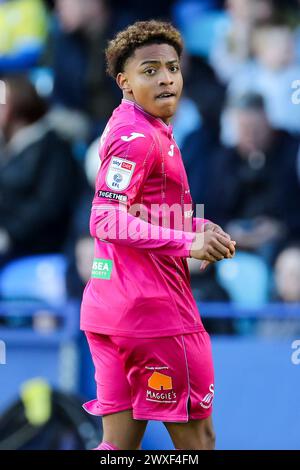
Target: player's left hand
(216,228)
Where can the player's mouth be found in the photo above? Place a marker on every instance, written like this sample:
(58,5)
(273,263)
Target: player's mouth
(166,95)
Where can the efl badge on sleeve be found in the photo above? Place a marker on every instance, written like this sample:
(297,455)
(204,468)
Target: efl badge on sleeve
(119,173)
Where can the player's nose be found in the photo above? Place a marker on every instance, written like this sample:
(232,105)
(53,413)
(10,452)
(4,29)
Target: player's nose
(166,78)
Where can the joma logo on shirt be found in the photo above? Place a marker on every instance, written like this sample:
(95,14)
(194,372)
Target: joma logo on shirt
(134,135)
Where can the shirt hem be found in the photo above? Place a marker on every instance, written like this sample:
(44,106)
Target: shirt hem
(141,334)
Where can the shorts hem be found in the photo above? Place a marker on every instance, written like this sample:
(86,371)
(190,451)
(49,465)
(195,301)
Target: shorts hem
(151,417)
(202,416)
(105,413)
(127,408)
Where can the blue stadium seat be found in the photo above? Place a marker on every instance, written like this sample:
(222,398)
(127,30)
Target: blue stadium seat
(39,277)
(38,324)
(246,278)
(193,17)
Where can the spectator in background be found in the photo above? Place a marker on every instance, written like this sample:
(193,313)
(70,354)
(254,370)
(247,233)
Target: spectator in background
(271,74)
(206,288)
(232,46)
(141,11)
(80,246)
(286,290)
(208,94)
(75,51)
(38,176)
(287,275)
(255,192)
(23,30)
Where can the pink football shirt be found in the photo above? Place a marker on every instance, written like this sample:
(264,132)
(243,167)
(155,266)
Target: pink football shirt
(140,282)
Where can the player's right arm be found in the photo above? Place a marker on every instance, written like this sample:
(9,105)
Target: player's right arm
(128,158)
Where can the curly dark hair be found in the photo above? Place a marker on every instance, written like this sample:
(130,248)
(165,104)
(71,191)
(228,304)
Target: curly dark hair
(137,35)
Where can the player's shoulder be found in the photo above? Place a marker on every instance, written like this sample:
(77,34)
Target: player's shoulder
(131,127)
(136,133)
(130,140)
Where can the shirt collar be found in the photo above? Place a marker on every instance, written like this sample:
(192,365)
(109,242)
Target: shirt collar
(167,127)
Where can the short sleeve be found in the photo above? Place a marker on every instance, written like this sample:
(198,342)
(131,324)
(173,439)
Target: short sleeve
(128,158)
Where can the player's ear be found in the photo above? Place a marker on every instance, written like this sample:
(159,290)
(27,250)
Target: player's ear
(122,81)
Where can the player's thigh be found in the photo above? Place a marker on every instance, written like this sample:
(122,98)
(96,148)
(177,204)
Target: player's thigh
(123,431)
(113,389)
(113,401)
(196,434)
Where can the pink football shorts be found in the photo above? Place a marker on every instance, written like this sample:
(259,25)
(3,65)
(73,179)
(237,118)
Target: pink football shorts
(164,379)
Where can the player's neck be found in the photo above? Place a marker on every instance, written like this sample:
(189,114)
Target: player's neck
(130,98)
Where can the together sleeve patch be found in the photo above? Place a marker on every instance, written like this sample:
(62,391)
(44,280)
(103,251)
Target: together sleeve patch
(112,196)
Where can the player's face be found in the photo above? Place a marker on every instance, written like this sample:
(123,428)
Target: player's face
(152,78)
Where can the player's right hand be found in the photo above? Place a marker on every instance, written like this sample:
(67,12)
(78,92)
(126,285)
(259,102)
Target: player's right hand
(212,246)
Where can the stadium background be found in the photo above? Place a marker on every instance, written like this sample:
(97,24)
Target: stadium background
(238,126)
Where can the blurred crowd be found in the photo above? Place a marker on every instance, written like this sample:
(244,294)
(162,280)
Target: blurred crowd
(238,126)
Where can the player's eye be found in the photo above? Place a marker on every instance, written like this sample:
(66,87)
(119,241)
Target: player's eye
(150,71)
(174,68)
